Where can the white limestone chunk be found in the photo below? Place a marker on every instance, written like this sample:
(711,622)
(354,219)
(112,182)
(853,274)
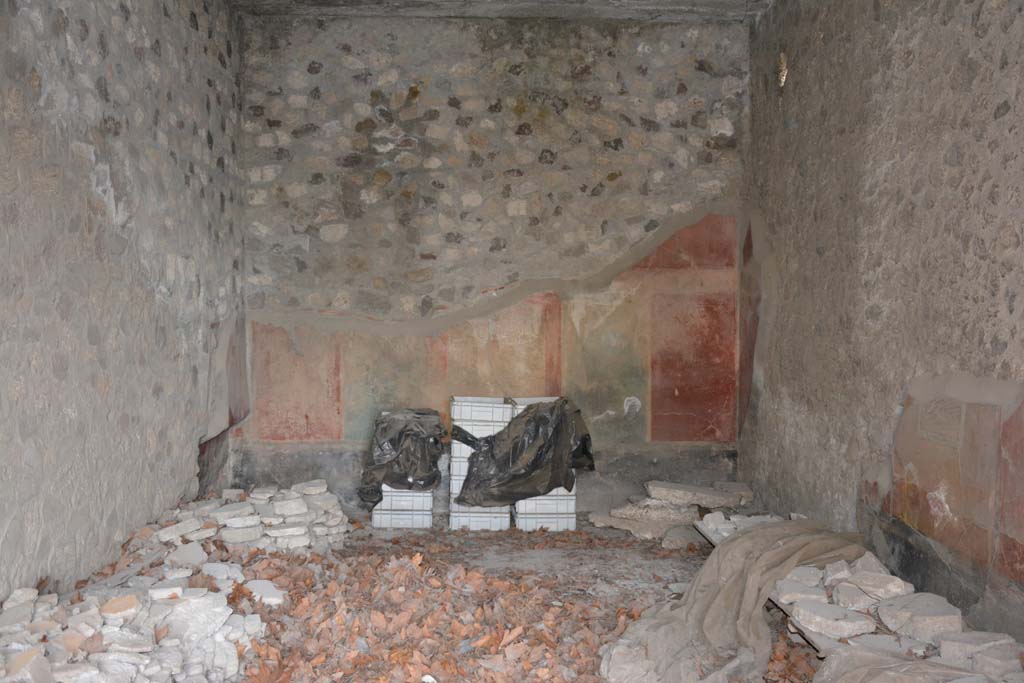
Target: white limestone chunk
(286,530)
(835,572)
(226,512)
(788,591)
(242,535)
(290,506)
(922,616)
(687,494)
(265,592)
(239,522)
(959,646)
(831,620)
(808,576)
(174,531)
(311,488)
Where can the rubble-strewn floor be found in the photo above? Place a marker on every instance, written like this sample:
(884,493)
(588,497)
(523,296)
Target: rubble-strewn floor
(462,606)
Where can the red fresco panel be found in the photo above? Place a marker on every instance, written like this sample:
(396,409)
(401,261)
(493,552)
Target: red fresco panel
(693,367)
(711,243)
(551,325)
(297,384)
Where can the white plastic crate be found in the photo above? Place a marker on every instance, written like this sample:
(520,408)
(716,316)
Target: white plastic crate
(401,519)
(397,499)
(480,416)
(480,409)
(536,522)
(557,502)
(495,519)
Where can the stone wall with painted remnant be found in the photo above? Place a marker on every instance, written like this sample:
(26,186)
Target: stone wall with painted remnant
(121,268)
(887,170)
(411,168)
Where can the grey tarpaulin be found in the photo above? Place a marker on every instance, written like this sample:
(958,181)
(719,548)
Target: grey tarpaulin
(535,454)
(720,626)
(406,447)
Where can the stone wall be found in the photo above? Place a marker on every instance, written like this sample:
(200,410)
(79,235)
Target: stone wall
(886,172)
(120,284)
(395,178)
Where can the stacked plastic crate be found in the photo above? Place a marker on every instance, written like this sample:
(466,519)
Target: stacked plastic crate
(480,417)
(555,511)
(403,509)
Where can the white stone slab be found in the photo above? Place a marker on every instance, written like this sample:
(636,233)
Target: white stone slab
(265,591)
(174,531)
(922,616)
(687,494)
(831,620)
(311,488)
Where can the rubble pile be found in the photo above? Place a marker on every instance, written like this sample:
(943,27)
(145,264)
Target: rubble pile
(670,510)
(414,610)
(863,605)
(178,605)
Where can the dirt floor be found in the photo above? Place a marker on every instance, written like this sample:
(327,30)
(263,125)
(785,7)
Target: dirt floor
(460,606)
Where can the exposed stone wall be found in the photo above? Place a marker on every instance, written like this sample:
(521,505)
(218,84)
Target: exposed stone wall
(401,178)
(887,172)
(121,253)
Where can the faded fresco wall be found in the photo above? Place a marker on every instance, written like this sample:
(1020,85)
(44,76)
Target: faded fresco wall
(649,356)
(121,265)
(886,171)
(397,178)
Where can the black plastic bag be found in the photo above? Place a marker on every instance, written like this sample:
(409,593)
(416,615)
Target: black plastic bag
(406,447)
(535,454)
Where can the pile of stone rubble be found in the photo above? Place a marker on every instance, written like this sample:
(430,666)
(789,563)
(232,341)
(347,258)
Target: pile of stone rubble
(305,516)
(173,607)
(670,510)
(862,605)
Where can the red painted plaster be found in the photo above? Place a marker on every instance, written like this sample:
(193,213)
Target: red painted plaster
(693,367)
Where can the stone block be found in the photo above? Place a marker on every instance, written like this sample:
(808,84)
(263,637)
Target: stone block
(266,592)
(851,597)
(880,586)
(686,494)
(187,555)
(657,511)
(222,514)
(178,530)
(831,620)
(999,660)
(242,535)
(787,592)
(311,488)
(808,576)
(960,646)
(922,616)
(836,572)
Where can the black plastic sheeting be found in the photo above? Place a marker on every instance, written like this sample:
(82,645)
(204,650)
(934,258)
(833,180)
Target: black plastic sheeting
(535,454)
(406,447)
